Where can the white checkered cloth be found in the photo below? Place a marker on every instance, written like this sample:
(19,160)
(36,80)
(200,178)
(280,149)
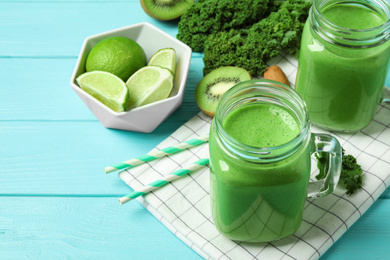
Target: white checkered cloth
(183,206)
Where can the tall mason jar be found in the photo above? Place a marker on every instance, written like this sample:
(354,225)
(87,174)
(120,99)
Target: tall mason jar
(344,61)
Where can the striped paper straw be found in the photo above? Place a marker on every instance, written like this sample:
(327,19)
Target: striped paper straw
(166,179)
(157,154)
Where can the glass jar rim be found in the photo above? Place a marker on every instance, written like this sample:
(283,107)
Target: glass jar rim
(348,37)
(268,87)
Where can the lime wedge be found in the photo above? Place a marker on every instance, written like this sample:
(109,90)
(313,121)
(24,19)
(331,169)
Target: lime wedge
(107,88)
(149,84)
(165,58)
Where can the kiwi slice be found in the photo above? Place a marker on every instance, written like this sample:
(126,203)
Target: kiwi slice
(165,9)
(210,89)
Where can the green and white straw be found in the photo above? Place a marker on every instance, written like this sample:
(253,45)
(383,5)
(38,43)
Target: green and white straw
(157,154)
(165,180)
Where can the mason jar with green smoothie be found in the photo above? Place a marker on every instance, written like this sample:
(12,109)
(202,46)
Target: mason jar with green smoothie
(260,162)
(343,62)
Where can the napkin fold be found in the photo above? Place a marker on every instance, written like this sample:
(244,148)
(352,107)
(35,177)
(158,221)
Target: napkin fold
(183,206)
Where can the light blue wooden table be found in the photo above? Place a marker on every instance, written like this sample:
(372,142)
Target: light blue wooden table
(55,200)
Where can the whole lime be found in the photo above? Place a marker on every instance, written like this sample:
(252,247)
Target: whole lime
(120,56)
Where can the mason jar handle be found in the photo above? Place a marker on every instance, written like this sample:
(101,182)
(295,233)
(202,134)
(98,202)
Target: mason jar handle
(385,95)
(329,156)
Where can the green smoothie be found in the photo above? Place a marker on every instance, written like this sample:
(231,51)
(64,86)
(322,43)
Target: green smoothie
(342,86)
(252,201)
(276,127)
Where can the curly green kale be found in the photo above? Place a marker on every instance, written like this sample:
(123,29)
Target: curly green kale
(252,48)
(351,172)
(206,17)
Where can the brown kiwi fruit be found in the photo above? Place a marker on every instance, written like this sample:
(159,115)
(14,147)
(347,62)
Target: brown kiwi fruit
(210,89)
(165,9)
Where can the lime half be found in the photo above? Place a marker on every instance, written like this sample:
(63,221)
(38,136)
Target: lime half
(165,58)
(149,84)
(107,88)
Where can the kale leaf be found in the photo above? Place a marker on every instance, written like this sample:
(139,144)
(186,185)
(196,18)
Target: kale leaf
(351,172)
(252,48)
(206,17)
(246,34)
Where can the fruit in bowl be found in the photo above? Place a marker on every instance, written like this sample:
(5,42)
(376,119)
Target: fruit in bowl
(148,85)
(106,87)
(147,117)
(117,60)
(120,56)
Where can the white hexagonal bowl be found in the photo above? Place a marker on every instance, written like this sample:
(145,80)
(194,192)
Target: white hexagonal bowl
(149,117)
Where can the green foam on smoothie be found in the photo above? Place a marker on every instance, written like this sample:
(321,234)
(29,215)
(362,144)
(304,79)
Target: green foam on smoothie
(261,125)
(353,16)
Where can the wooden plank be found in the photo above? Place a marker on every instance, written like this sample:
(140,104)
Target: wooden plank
(386,194)
(68,157)
(48,28)
(79,227)
(43,86)
(368,238)
(84,228)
